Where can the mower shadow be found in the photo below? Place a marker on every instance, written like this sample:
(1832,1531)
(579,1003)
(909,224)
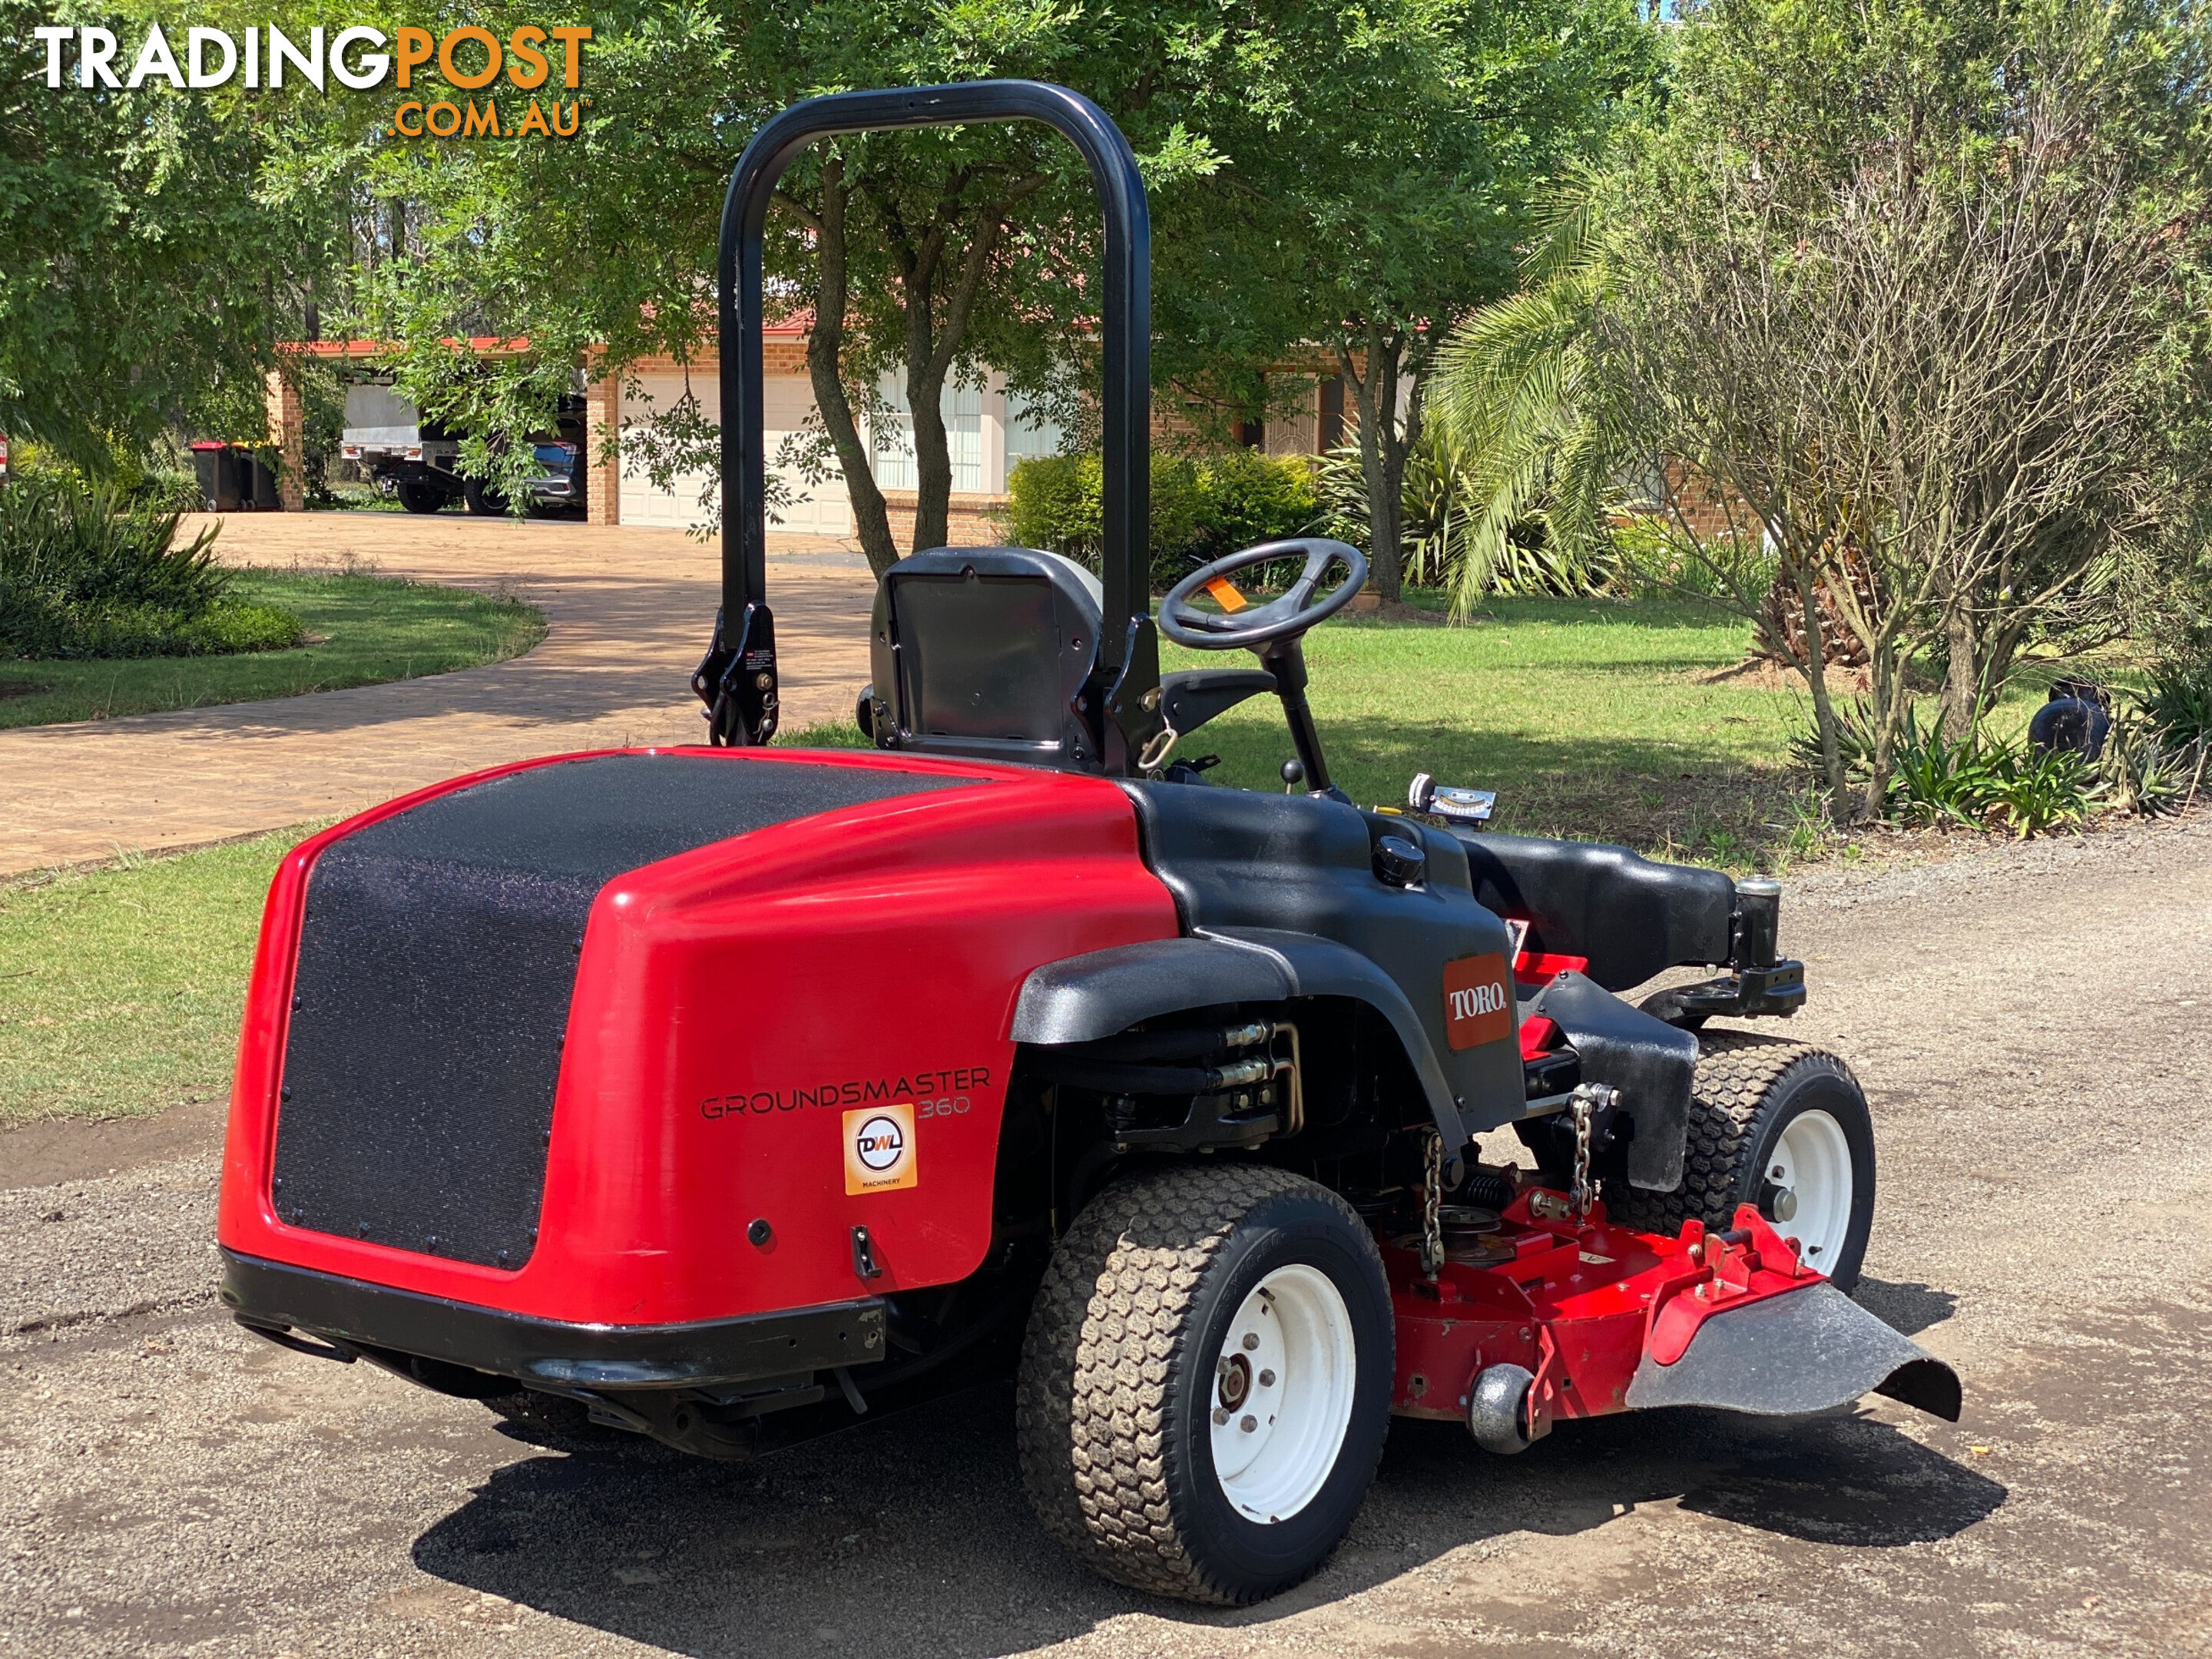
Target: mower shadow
(912,1536)
(1909,1307)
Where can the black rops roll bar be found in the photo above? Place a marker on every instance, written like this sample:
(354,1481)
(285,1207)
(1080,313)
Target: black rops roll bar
(738,679)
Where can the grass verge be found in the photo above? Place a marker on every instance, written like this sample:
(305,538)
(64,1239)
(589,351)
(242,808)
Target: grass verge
(120,987)
(366,630)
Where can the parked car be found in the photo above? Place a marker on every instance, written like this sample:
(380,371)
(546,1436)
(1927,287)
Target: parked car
(418,461)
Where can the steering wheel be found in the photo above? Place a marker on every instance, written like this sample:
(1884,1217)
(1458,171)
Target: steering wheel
(1252,626)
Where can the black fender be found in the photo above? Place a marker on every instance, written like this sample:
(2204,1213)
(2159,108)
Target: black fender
(1102,993)
(1632,918)
(1653,1064)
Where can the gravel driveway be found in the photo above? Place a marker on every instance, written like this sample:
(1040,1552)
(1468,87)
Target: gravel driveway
(2031,1026)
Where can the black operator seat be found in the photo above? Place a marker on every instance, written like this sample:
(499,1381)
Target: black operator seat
(981,651)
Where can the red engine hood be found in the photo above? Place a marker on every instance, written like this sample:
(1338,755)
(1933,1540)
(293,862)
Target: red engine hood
(740,1013)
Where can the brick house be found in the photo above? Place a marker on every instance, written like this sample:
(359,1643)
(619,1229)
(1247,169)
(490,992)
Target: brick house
(989,429)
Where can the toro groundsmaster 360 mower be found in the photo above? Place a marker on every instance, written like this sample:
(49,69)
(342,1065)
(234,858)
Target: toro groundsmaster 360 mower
(729,1094)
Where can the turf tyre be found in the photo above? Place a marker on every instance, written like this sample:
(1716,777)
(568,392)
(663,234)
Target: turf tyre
(1749,1088)
(1115,1401)
(418,496)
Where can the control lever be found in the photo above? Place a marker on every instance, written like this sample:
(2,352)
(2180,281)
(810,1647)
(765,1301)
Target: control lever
(1461,805)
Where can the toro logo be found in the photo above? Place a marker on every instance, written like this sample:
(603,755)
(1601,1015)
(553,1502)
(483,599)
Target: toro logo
(880,1149)
(1478,1006)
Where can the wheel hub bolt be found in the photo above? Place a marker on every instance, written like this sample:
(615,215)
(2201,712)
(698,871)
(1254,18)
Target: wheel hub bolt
(1249,1425)
(1251,1340)
(1266,1379)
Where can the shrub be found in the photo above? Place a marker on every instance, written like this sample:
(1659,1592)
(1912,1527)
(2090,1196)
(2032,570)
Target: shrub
(2034,794)
(2179,700)
(2146,769)
(168,490)
(1976,783)
(1202,507)
(83,574)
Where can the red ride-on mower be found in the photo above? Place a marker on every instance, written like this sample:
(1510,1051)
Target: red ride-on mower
(731,1095)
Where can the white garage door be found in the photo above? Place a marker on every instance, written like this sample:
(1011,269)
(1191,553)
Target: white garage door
(820,510)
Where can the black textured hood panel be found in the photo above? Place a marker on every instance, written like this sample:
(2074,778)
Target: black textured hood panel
(436,961)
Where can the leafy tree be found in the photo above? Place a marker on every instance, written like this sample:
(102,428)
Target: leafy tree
(932,251)
(1385,202)
(144,282)
(1911,359)
(931,254)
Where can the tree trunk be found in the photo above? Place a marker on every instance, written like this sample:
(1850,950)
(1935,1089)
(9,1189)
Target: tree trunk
(933,346)
(925,397)
(824,346)
(1962,681)
(1381,456)
(1890,701)
(1825,724)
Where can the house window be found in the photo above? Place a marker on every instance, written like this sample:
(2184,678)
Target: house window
(893,435)
(1031,430)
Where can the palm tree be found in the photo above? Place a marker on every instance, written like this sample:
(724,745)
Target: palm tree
(1515,396)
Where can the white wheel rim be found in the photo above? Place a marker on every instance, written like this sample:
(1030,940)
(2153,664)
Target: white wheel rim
(1809,1167)
(1280,1394)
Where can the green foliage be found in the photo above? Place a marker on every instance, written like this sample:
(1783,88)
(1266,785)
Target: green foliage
(83,574)
(1782,293)
(1444,546)
(1652,560)
(2148,769)
(1386,198)
(2177,701)
(144,275)
(137,478)
(1301,161)
(362,630)
(1202,505)
(2039,794)
(2161,741)
(1970,783)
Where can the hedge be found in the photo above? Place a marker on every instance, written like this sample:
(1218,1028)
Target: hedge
(1203,505)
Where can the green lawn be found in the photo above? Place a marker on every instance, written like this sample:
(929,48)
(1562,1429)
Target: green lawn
(120,988)
(366,630)
(1586,716)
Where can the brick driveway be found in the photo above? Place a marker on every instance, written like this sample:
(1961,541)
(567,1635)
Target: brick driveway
(629,613)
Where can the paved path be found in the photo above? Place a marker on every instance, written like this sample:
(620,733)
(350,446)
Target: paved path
(629,610)
(2033,1036)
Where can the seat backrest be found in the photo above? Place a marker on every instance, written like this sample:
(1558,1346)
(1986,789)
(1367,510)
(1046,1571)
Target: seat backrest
(982,652)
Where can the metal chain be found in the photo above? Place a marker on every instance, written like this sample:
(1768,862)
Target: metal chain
(1580,1196)
(1432,1180)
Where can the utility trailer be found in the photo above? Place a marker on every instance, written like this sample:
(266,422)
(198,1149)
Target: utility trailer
(731,1096)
